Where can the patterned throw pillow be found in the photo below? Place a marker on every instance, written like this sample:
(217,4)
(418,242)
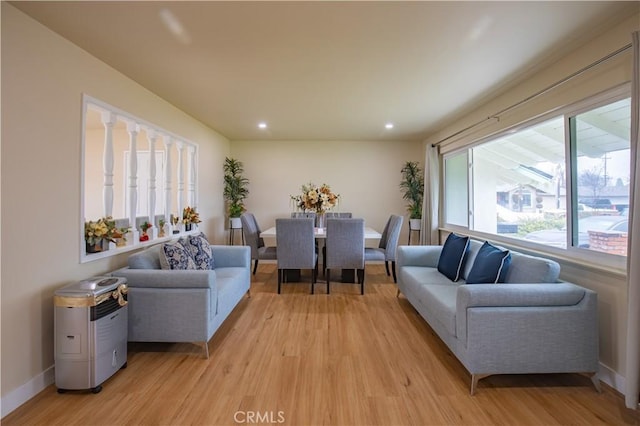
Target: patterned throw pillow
(200,250)
(176,256)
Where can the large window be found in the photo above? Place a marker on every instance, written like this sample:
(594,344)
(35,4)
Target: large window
(562,182)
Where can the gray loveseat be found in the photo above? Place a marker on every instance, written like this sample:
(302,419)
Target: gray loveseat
(529,324)
(183,305)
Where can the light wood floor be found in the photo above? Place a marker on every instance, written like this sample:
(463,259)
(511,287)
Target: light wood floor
(299,359)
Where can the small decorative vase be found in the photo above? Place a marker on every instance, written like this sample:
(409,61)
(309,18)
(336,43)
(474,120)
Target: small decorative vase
(188,226)
(320,220)
(93,248)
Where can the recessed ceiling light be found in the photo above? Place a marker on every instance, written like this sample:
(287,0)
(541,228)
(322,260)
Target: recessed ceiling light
(388,126)
(262,125)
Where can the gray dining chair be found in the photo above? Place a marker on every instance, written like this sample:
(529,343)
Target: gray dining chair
(338,215)
(251,231)
(333,215)
(303,215)
(295,241)
(345,248)
(386,250)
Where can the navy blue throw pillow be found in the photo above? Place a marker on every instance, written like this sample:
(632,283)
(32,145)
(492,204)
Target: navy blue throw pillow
(452,256)
(490,266)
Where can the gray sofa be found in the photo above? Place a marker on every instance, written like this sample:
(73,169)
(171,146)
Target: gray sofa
(531,323)
(184,305)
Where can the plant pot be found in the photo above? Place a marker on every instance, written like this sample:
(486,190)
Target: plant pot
(415,224)
(235,223)
(93,248)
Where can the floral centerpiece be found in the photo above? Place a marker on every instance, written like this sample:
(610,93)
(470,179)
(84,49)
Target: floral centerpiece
(190,217)
(314,198)
(98,231)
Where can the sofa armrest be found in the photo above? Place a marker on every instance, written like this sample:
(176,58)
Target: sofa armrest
(231,256)
(418,256)
(163,278)
(547,294)
(524,314)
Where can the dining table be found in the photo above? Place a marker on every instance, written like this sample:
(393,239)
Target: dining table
(321,233)
(348,275)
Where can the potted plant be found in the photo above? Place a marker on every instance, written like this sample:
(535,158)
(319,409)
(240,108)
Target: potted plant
(235,190)
(96,232)
(412,184)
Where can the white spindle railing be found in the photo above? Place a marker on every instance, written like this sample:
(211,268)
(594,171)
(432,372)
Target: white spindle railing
(133,129)
(108,120)
(177,183)
(151,135)
(180,179)
(191,183)
(168,204)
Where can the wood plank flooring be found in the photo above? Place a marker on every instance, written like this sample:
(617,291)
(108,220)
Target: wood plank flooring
(339,359)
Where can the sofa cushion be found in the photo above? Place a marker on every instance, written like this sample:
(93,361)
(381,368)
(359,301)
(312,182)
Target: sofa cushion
(200,251)
(176,256)
(440,301)
(532,270)
(146,259)
(490,265)
(452,256)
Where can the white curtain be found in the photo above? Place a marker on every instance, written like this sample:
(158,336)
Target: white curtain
(633,256)
(431,202)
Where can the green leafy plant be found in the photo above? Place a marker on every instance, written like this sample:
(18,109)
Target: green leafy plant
(412,184)
(235,186)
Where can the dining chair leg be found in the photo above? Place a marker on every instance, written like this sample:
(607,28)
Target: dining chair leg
(393,268)
(279,279)
(328,275)
(361,279)
(255,267)
(386,265)
(313,279)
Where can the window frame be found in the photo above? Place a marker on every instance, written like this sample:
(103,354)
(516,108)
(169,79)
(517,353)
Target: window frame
(585,257)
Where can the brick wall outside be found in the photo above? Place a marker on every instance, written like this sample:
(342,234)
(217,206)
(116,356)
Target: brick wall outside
(612,242)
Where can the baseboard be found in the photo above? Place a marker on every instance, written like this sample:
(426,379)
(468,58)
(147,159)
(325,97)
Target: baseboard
(611,378)
(24,393)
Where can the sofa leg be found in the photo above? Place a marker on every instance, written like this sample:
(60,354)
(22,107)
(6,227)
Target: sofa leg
(474,381)
(398,293)
(249,294)
(205,346)
(596,382)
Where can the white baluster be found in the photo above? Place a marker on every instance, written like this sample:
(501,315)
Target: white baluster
(167,185)
(180,173)
(108,120)
(153,232)
(133,130)
(191,183)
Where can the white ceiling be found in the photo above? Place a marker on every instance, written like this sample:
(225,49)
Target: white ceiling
(327,70)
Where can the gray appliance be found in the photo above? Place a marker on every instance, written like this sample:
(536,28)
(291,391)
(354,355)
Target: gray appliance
(90,332)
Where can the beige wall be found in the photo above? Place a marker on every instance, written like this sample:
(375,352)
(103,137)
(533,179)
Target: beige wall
(610,285)
(43,79)
(365,174)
